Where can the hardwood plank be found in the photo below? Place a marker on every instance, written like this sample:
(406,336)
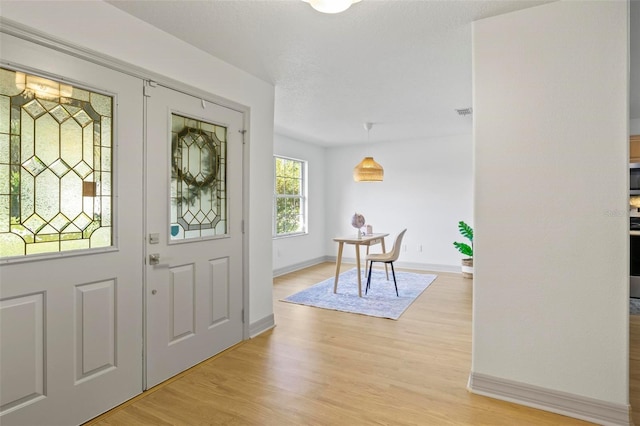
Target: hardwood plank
(324,367)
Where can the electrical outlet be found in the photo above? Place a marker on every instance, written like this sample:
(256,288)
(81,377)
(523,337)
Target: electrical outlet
(419,247)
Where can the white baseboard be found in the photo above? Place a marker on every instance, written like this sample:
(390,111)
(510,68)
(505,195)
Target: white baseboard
(258,327)
(429,267)
(577,406)
(407,265)
(301,265)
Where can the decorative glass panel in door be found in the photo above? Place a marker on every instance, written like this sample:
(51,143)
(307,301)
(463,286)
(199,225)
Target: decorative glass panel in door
(198,179)
(55,166)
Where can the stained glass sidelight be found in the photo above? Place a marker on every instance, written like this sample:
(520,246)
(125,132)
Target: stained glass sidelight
(198,179)
(55,166)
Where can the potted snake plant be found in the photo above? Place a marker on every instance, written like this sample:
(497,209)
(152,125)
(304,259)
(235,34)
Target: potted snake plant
(466,249)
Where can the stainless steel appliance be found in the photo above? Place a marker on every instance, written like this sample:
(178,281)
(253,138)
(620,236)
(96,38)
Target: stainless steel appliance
(634,178)
(634,258)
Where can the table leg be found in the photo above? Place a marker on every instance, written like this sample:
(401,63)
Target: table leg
(358,270)
(386,265)
(338,262)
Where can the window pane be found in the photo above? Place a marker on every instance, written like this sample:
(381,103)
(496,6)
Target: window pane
(280,185)
(52,127)
(281,205)
(295,169)
(198,179)
(289,218)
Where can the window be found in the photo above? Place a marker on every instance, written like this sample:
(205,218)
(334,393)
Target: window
(55,166)
(198,179)
(290,202)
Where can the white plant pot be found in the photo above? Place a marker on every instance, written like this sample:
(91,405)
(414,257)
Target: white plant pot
(467,267)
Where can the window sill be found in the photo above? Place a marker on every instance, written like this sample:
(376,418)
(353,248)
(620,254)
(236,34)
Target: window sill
(297,234)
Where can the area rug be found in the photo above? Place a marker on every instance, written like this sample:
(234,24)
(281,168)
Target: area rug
(634,306)
(381,300)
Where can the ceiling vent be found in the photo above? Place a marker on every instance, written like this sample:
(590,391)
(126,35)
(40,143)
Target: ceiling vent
(464,111)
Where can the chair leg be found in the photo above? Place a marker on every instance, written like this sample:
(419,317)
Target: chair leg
(368,278)
(394,279)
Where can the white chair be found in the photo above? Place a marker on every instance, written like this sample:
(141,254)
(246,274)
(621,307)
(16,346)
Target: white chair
(389,257)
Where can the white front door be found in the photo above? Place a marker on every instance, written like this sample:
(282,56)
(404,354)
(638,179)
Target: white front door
(71,232)
(194,289)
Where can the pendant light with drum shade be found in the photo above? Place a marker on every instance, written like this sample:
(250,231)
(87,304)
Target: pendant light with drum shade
(368,170)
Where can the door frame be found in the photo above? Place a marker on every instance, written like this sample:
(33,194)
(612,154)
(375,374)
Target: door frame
(41,38)
(204,97)
(213,99)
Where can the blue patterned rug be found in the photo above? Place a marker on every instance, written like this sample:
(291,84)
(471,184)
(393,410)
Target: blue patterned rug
(381,301)
(634,306)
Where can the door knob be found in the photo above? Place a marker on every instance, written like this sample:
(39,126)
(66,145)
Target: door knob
(154,258)
(154,292)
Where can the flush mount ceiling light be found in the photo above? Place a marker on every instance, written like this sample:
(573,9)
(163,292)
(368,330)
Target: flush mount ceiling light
(368,170)
(331,6)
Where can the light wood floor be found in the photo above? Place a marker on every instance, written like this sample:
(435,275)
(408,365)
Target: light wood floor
(321,367)
(634,367)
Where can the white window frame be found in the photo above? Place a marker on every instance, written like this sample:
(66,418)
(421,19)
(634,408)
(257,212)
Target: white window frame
(302,197)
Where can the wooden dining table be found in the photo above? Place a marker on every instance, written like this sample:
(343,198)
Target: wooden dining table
(365,240)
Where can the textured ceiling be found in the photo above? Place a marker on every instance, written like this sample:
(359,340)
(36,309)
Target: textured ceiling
(403,65)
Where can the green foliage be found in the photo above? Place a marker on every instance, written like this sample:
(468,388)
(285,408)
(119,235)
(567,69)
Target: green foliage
(464,249)
(467,232)
(289,217)
(14,182)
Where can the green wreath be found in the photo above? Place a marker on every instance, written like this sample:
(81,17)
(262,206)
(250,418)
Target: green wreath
(213,160)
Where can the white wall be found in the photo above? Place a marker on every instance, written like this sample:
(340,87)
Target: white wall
(427,189)
(100,27)
(294,252)
(551,283)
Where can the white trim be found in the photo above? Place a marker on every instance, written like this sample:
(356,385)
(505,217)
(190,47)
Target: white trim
(304,198)
(246,222)
(293,235)
(262,325)
(27,33)
(428,267)
(299,265)
(406,265)
(568,404)
(145,249)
